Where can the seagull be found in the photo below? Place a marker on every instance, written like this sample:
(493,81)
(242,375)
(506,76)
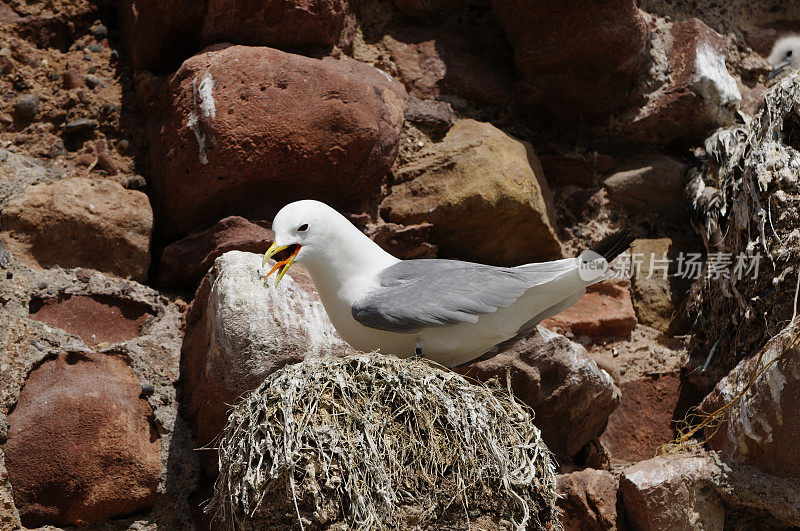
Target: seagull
(447,310)
(785,52)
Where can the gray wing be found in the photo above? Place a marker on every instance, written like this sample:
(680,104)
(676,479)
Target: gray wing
(417,294)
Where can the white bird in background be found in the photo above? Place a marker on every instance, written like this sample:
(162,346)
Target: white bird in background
(785,53)
(452,311)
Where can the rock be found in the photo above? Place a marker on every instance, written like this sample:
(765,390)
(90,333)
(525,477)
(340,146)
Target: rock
(433,117)
(158,35)
(423,8)
(655,295)
(571,396)
(672,492)
(238,331)
(17,173)
(405,242)
(605,310)
(694,95)
(701,491)
(80,222)
(433,61)
(561,71)
(589,500)
(95,318)
(184,263)
(73,79)
(485,195)
(99,30)
(761,428)
(93,82)
(81,446)
(79,126)
(26,106)
(293,127)
(565,167)
(643,421)
(650,184)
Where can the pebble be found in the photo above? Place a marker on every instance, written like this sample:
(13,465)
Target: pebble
(99,31)
(123,145)
(93,81)
(26,106)
(81,124)
(135,182)
(96,47)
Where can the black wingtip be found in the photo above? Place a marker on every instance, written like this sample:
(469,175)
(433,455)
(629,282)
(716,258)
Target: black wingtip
(615,244)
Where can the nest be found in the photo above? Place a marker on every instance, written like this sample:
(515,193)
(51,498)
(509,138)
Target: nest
(746,202)
(374,442)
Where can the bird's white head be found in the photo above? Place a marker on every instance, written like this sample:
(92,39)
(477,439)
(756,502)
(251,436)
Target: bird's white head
(316,235)
(785,53)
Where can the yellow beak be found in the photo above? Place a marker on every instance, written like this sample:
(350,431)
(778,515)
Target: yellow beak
(285,264)
(272,251)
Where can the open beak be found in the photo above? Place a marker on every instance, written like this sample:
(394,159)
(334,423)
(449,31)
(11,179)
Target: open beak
(778,69)
(283,265)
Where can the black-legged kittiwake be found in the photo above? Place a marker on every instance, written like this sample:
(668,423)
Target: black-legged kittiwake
(453,311)
(785,53)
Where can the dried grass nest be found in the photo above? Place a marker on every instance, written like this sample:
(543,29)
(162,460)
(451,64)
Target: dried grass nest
(370,441)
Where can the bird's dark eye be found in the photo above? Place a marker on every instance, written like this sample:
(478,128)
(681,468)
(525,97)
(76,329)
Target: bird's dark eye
(789,53)
(303,227)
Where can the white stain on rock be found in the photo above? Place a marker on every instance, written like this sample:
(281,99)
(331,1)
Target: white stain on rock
(256,328)
(712,80)
(204,109)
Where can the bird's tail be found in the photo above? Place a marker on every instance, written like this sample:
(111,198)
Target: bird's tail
(615,244)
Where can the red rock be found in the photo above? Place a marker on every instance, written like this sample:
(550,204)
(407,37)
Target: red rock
(247,130)
(762,428)
(238,331)
(72,79)
(159,33)
(698,94)
(433,61)
(96,318)
(185,262)
(589,500)
(605,310)
(82,448)
(643,421)
(566,51)
(571,396)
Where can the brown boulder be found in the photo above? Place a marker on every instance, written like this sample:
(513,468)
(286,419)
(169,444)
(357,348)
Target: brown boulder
(80,222)
(762,427)
(159,33)
(571,396)
(605,310)
(433,61)
(649,184)
(484,193)
(577,59)
(239,331)
(184,263)
(655,290)
(589,500)
(82,448)
(694,94)
(247,130)
(643,421)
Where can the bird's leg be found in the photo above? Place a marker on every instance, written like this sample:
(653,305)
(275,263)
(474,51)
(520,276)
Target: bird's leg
(418,350)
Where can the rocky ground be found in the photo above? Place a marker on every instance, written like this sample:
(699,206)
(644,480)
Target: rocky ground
(142,141)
